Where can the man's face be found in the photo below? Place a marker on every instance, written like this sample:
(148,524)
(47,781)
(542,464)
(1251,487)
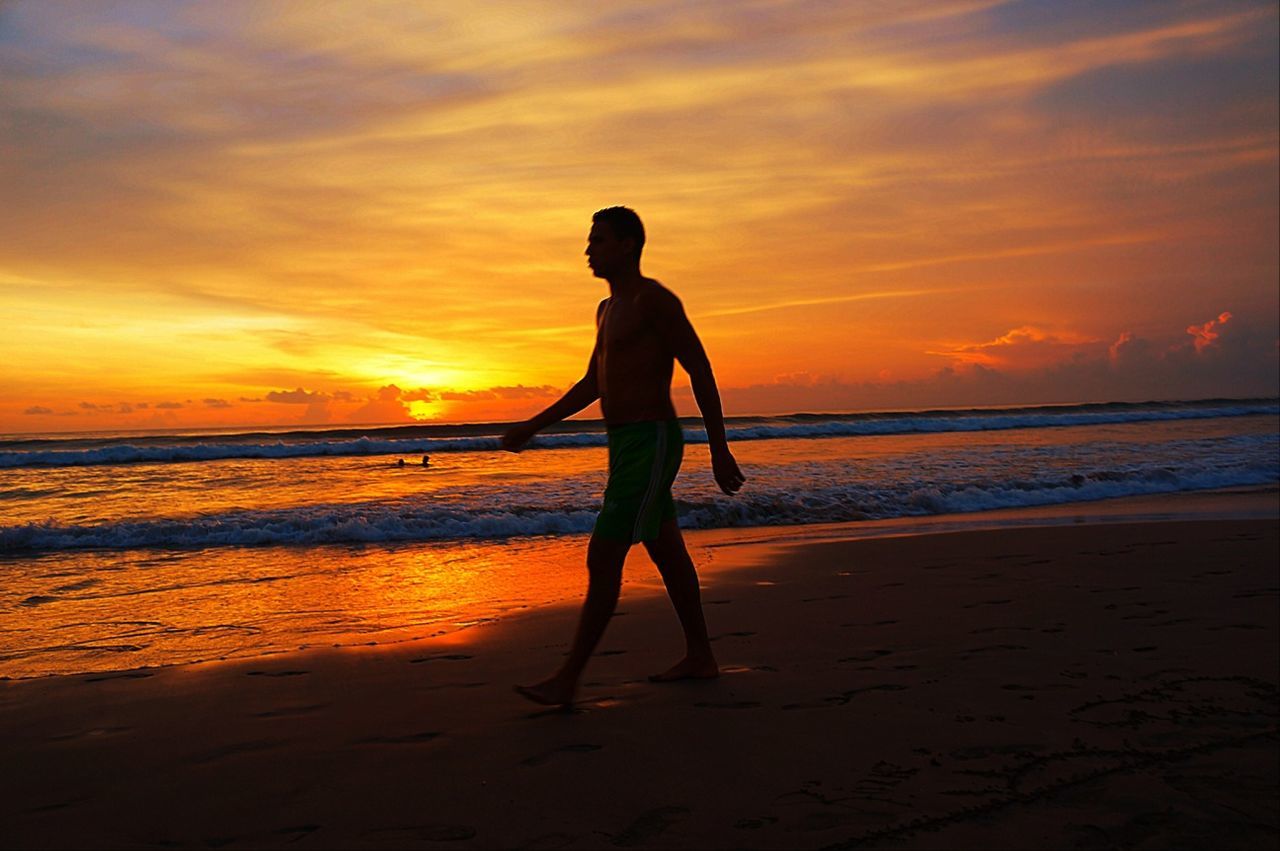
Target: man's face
(606,254)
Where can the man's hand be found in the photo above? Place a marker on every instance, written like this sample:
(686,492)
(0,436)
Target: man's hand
(517,436)
(726,471)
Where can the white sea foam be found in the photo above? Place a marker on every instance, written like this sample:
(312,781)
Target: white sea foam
(834,426)
(500,515)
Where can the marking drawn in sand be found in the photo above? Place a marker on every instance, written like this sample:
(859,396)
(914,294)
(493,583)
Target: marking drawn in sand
(1216,713)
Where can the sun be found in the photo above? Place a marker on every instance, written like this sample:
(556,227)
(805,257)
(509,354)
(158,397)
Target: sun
(421,410)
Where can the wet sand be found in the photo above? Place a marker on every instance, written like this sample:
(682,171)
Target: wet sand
(1074,686)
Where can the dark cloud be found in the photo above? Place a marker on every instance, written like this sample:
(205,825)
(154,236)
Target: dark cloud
(38,409)
(169,406)
(297,397)
(217,403)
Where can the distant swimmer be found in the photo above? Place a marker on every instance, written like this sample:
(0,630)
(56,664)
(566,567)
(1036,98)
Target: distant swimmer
(426,459)
(641,331)
(400,463)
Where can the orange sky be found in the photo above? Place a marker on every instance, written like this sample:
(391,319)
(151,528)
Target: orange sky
(253,214)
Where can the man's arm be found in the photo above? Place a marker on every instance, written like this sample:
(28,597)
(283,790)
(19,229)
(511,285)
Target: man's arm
(586,391)
(677,332)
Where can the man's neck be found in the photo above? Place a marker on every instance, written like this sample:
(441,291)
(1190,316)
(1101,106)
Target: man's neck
(625,282)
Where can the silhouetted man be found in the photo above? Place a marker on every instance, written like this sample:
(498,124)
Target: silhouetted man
(641,330)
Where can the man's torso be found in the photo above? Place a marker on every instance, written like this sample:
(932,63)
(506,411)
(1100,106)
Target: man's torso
(633,365)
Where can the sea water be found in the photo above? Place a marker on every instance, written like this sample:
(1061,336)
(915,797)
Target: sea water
(127,549)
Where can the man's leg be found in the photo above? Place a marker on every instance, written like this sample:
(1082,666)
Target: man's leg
(605,557)
(681,578)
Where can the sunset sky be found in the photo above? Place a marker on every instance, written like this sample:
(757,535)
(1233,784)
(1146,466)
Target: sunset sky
(240,214)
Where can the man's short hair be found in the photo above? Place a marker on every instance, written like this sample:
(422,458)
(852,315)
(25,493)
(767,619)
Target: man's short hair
(624,223)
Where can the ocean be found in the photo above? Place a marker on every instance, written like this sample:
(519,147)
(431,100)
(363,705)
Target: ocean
(122,550)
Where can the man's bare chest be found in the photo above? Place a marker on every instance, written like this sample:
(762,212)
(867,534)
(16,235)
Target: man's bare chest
(625,326)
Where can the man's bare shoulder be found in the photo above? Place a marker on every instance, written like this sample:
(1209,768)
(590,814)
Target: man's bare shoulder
(658,298)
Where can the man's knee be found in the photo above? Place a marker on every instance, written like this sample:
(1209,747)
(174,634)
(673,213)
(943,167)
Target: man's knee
(605,557)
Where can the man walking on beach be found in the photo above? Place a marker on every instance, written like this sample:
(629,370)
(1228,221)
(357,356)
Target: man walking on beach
(641,330)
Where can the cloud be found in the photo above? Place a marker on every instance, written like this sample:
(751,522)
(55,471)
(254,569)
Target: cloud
(38,409)
(519,391)
(1225,358)
(169,406)
(1022,348)
(217,403)
(386,406)
(1204,335)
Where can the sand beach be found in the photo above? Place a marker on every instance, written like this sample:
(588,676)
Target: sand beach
(1082,685)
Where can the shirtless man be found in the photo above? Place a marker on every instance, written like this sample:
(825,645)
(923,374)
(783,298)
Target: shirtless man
(641,330)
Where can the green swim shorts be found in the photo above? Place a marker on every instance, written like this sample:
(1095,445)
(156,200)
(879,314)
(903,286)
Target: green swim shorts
(643,461)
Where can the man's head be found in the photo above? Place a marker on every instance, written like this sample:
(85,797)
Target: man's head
(615,242)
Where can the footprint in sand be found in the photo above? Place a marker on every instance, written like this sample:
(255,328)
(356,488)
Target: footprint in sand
(987,603)
(438,686)
(869,656)
(276,673)
(129,675)
(728,704)
(290,711)
(263,838)
(57,805)
(844,697)
(746,669)
(85,734)
(441,657)
(987,648)
(742,634)
(407,739)
(648,826)
(234,749)
(400,836)
(539,759)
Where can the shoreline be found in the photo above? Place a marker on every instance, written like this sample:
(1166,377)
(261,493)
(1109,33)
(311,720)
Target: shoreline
(711,549)
(1058,685)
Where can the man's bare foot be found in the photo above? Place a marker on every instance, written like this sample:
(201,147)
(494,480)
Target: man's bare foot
(550,692)
(689,668)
